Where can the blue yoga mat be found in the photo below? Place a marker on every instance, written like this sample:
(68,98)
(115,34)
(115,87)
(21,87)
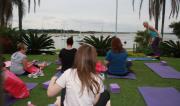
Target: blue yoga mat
(159,96)
(140,58)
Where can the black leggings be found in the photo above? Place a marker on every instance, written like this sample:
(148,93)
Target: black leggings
(104,98)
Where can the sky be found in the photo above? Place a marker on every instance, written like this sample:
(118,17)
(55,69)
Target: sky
(89,15)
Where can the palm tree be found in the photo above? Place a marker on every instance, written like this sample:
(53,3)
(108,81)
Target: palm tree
(5,12)
(21,10)
(6,8)
(38,43)
(102,44)
(155,7)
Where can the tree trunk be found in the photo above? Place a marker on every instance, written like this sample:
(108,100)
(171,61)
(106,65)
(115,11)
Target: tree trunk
(163,18)
(157,14)
(20,15)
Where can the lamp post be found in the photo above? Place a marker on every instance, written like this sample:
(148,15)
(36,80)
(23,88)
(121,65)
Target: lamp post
(116,17)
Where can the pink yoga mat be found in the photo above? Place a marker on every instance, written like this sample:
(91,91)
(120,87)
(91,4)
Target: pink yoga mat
(7,63)
(10,100)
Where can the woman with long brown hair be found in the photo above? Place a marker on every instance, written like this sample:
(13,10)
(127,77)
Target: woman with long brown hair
(116,59)
(83,85)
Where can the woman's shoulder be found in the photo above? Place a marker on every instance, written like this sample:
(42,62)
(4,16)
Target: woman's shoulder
(70,71)
(19,54)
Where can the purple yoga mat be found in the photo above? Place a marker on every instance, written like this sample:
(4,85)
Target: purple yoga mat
(46,84)
(30,86)
(158,96)
(129,76)
(10,100)
(164,71)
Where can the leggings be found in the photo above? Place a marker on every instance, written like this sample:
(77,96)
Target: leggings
(155,46)
(104,98)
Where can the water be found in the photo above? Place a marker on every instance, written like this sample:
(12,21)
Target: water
(60,39)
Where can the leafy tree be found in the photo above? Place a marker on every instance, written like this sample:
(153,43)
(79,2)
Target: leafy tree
(142,40)
(102,44)
(176,28)
(38,43)
(6,11)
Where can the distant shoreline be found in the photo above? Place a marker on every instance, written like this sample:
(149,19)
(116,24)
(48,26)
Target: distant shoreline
(62,31)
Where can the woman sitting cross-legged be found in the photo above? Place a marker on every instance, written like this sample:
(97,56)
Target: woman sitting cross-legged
(21,66)
(116,59)
(84,87)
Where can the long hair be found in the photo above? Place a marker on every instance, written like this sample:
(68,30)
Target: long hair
(85,62)
(116,45)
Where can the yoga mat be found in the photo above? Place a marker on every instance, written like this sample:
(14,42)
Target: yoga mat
(46,84)
(158,96)
(10,100)
(140,58)
(7,63)
(31,85)
(129,76)
(164,71)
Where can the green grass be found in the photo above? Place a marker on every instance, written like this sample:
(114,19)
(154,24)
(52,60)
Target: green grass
(129,95)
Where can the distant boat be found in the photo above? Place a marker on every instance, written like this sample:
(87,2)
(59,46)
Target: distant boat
(57,35)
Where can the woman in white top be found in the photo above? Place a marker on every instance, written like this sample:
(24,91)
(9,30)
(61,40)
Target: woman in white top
(83,85)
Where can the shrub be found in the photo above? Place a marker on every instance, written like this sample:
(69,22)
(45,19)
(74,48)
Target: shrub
(176,28)
(38,43)
(9,39)
(170,48)
(142,40)
(102,44)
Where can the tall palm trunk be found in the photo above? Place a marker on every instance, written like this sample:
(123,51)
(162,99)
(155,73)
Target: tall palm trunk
(20,12)
(157,6)
(163,18)
(2,13)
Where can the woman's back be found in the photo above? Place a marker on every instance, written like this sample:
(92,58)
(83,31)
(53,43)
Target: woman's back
(117,62)
(74,96)
(67,58)
(16,63)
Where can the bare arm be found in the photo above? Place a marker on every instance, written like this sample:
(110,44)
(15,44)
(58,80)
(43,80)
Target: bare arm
(26,63)
(106,62)
(96,99)
(53,88)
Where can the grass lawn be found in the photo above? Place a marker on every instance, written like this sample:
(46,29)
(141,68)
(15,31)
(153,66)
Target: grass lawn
(129,95)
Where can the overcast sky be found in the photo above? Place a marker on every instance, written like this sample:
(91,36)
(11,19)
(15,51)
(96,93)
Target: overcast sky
(93,15)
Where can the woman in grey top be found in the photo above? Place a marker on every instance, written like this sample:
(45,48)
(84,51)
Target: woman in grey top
(18,59)
(20,64)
